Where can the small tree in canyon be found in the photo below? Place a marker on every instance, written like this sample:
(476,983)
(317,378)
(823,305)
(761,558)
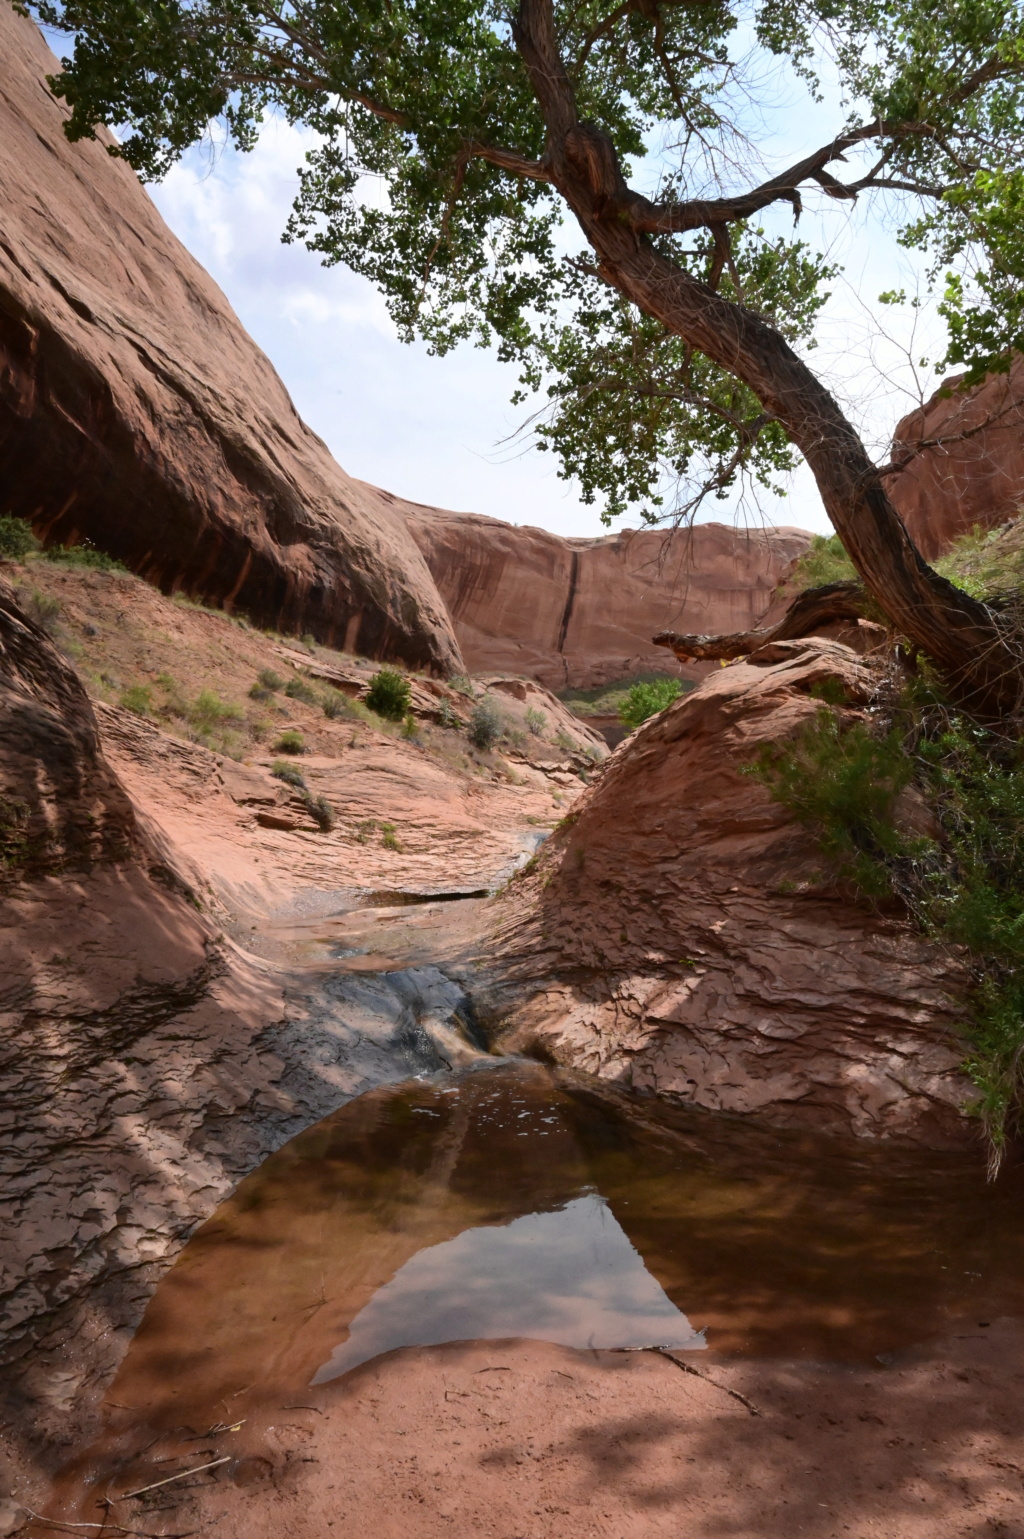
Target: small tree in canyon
(455,140)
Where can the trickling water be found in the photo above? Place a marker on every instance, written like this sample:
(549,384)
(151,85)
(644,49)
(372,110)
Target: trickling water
(512,1201)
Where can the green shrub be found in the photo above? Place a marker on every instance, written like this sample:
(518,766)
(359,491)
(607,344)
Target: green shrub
(446,716)
(644,700)
(321,811)
(825,562)
(290,741)
(486,724)
(289,773)
(16,538)
(536,721)
(564,741)
(269,680)
(389,694)
(389,836)
(299,689)
(967,888)
(462,683)
(410,727)
(85,555)
(208,711)
(138,699)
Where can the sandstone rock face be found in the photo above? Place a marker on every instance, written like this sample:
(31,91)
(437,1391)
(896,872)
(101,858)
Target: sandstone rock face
(677,934)
(136,412)
(581,613)
(971,472)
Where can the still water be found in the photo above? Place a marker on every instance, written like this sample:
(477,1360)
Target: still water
(509,1200)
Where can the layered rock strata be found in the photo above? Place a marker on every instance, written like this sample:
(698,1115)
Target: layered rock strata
(678,934)
(576,614)
(137,413)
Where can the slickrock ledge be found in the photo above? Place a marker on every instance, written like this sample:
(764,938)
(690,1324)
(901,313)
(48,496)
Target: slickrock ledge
(679,936)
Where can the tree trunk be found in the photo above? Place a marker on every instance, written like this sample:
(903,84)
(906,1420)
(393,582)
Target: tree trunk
(815,607)
(974,650)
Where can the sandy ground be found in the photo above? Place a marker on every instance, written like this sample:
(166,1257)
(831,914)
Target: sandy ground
(522,1440)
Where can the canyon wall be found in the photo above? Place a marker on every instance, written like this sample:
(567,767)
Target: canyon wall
(575,614)
(137,413)
(964,461)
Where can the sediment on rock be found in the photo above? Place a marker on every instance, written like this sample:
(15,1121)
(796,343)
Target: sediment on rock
(679,935)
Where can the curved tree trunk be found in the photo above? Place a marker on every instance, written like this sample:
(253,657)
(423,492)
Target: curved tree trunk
(975,652)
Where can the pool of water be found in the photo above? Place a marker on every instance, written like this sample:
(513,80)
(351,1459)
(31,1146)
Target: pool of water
(509,1200)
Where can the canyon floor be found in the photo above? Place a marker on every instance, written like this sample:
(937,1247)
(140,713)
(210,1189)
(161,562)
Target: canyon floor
(517,1439)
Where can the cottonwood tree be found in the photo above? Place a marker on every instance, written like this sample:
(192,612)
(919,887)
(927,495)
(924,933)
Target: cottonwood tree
(456,140)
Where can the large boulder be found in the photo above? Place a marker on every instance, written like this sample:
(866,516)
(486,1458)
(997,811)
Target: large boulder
(575,614)
(137,413)
(679,936)
(963,461)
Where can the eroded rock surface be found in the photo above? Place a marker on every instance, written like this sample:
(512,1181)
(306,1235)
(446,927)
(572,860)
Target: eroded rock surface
(574,614)
(678,935)
(964,454)
(136,412)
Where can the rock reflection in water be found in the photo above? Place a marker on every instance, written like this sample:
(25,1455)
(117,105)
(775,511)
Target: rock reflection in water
(570,1276)
(510,1200)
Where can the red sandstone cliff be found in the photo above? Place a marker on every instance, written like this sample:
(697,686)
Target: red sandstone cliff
(580,613)
(137,412)
(970,471)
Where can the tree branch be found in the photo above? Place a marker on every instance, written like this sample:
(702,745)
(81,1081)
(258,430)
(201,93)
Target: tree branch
(806,614)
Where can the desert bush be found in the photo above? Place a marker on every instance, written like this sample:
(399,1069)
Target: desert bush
(208,711)
(42,609)
(536,721)
(486,724)
(389,836)
(289,773)
(462,683)
(645,700)
(16,538)
(966,887)
(410,727)
(138,699)
(446,716)
(268,679)
(389,694)
(321,811)
(335,703)
(825,562)
(298,689)
(563,740)
(290,741)
(85,555)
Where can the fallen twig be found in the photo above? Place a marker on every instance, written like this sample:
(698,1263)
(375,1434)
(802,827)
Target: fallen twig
(110,1500)
(666,1352)
(106,1524)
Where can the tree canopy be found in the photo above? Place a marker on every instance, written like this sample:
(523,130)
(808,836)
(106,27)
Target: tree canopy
(459,143)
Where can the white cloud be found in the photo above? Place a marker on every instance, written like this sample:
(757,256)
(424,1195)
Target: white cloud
(432,429)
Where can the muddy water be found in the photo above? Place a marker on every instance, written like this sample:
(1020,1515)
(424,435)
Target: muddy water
(508,1200)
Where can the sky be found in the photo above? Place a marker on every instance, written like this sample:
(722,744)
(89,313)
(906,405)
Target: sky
(436,430)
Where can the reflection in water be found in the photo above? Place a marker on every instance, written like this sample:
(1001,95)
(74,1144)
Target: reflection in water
(569,1276)
(509,1200)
